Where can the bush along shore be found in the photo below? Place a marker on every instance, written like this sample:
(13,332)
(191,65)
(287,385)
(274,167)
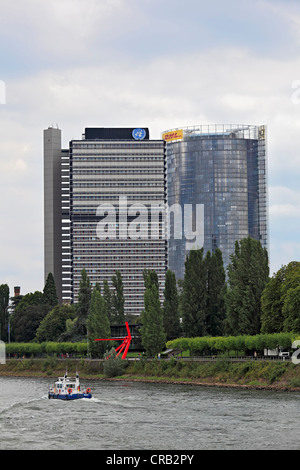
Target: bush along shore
(273,375)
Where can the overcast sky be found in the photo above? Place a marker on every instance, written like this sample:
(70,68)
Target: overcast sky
(156,63)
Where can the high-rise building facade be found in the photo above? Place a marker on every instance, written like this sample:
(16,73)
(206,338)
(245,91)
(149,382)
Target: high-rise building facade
(223,170)
(100,195)
(53,206)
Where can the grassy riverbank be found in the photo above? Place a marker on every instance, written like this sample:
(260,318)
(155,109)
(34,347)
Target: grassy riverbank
(265,374)
(253,374)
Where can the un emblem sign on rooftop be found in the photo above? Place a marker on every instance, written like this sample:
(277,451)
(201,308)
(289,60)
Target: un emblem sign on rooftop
(138,134)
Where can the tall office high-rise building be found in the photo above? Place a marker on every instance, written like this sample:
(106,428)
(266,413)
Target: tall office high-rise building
(53,206)
(98,199)
(223,169)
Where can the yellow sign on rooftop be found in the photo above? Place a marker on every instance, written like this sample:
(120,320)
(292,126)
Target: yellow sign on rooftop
(173,135)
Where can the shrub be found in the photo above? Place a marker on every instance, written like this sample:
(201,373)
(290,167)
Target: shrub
(113,365)
(219,344)
(49,363)
(81,348)
(295,382)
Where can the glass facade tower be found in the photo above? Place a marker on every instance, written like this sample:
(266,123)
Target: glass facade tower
(224,169)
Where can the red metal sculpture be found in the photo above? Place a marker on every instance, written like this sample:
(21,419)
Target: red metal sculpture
(124,346)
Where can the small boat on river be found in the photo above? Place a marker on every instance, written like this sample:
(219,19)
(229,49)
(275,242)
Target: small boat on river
(68,388)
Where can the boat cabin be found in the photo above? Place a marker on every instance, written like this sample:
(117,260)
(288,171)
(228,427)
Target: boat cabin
(67,384)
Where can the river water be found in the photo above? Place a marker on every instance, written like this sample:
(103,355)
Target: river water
(137,416)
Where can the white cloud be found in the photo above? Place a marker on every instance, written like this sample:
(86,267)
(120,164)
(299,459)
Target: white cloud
(285,210)
(287,12)
(283,195)
(80,84)
(239,102)
(283,253)
(61,29)
(284,226)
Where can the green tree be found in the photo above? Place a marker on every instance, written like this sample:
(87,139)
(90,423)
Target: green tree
(50,294)
(98,287)
(194,295)
(83,306)
(291,278)
(4,301)
(53,325)
(27,316)
(274,315)
(153,336)
(247,277)
(150,277)
(216,289)
(271,306)
(170,307)
(291,310)
(118,301)
(107,295)
(97,324)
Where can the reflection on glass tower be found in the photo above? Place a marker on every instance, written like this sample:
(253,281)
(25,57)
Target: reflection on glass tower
(223,167)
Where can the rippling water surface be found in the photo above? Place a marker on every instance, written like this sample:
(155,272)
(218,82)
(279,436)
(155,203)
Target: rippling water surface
(137,416)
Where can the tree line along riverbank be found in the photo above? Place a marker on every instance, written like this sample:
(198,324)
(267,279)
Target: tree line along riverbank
(276,375)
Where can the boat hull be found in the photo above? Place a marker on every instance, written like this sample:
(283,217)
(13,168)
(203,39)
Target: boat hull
(69,396)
